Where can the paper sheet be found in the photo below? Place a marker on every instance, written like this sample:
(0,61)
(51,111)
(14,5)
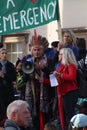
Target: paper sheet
(53,80)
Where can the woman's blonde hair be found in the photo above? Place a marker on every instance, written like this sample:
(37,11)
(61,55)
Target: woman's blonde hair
(68,57)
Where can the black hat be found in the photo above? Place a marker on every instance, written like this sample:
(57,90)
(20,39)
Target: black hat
(55,43)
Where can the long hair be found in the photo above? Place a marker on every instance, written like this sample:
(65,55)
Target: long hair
(72,36)
(68,57)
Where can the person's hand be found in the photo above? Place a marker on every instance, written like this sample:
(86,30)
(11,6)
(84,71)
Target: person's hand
(40,79)
(56,73)
(39,66)
(1,74)
(60,45)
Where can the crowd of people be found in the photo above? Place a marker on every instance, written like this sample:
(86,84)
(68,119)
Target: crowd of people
(38,103)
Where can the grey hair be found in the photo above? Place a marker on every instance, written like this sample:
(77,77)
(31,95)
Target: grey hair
(3,49)
(68,57)
(15,106)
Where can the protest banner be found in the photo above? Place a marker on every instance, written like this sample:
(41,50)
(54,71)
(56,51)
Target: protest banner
(19,15)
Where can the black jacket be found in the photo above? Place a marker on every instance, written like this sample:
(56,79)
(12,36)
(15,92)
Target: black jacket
(10,125)
(6,88)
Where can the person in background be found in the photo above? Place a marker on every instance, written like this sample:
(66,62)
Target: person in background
(81,44)
(54,60)
(69,42)
(82,59)
(20,79)
(18,115)
(50,126)
(78,122)
(7,76)
(48,51)
(81,106)
(67,78)
(54,45)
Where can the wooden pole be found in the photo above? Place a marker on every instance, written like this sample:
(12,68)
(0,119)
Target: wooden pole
(59,25)
(59,31)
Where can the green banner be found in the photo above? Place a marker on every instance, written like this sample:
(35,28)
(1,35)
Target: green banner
(19,15)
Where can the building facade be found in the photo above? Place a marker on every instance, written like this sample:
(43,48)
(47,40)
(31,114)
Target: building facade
(72,16)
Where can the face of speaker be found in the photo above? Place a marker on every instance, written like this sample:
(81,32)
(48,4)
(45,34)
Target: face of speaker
(28,67)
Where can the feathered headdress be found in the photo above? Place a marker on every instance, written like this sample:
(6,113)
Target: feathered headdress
(39,40)
(35,37)
(34,40)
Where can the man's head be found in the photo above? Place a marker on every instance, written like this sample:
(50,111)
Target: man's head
(18,65)
(79,121)
(67,38)
(3,54)
(54,45)
(18,112)
(50,126)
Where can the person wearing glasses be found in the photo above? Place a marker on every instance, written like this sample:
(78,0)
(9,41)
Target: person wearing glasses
(67,79)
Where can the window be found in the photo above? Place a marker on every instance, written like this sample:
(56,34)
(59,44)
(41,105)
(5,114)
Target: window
(15,50)
(16,46)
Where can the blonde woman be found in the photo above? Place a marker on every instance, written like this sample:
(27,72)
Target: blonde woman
(67,78)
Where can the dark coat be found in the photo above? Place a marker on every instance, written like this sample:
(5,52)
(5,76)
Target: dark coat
(6,88)
(10,125)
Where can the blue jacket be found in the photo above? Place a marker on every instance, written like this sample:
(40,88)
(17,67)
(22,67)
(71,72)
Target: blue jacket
(74,49)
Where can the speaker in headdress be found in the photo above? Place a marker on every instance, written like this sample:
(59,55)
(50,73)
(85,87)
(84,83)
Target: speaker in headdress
(28,61)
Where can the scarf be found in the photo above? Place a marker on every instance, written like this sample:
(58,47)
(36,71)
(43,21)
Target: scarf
(3,66)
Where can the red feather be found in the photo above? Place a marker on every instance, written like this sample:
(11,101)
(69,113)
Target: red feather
(33,1)
(35,37)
